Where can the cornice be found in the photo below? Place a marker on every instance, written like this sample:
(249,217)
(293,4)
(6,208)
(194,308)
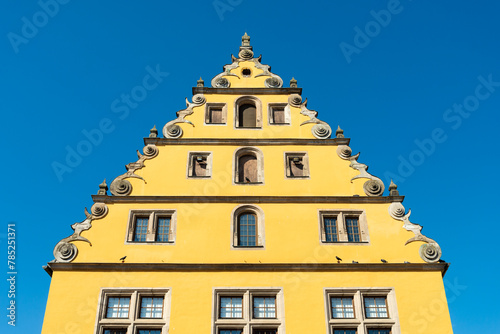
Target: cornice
(246,199)
(247,91)
(245,141)
(249,267)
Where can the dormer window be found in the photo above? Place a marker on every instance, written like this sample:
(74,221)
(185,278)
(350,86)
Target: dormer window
(248,113)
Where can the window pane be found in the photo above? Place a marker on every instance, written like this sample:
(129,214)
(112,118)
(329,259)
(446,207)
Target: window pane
(331,233)
(264,307)
(264,331)
(375,307)
(342,307)
(149,331)
(379,331)
(115,331)
(118,307)
(141,229)
(163,230)
(230,331)
(352,225)
(344,331)
(151,307)
(231,307)
(247,230)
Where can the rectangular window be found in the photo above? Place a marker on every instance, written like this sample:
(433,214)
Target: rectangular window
(141,229)
(342,307)
(216,113)
(231,307)
(163,230)
(264,307)
(343,226)
(352,225)
(230,331)
(248,310)
(344,331)
(331,232)
(115,331)
(133,310)
(149,226)
(379,331)
(376,307)
(264,331)
(247,230)
(199,164)
(296,165)
(362,310)
(279,114)
(151,307)
(118,307)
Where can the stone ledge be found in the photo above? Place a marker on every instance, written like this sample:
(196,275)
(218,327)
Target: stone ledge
(245,142)
(246,199)
(247,91)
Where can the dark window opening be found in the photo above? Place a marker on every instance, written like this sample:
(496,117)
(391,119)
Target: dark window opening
(247,169)
(247,117)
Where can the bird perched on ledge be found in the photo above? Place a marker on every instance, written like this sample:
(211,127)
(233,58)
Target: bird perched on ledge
(123,258)
(338,259)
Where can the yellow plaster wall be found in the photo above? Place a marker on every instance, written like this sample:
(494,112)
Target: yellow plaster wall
(420,298)
(166,174)
(292,234)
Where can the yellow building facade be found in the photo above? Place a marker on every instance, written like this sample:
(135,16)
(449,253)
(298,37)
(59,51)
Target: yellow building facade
(249,215)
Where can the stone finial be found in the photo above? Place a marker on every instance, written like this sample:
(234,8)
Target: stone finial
(339,133)
(103,188)
(200,83)
(393,189)
(245,40)
(153,133)
(293,83)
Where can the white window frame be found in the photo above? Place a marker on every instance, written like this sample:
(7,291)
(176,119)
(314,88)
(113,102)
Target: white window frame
(261,235)
(153,216)
(305,162)
(133,323)
(341,215)
(248,322)
(360,322)
(270,113)
(190,164)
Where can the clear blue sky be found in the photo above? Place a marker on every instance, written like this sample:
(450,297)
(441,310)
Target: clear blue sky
(396,89)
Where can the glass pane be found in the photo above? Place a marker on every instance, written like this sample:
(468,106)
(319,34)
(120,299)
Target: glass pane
(247,230)
(141,229)
(352,225)
(149,331)
(151,307)
(344,331)
(342,307)
(264,307)
(230,331)
(163,230)
(118,307)
(264,331)
(331,233)
(375,307)
(115,331)
(231,307)
(379,331)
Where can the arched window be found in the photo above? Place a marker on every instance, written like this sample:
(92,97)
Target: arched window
(248,112)
(249,166)
(248,226)
(247,229)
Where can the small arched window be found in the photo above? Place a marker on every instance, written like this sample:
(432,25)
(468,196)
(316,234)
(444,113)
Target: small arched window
(249,165)
(248,112)
(248,226)
(247,229)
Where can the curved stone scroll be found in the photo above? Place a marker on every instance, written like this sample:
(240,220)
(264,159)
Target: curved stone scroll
(122,187)
(171,129)
(430,251)
(320,130)
(374,186)
(65,251)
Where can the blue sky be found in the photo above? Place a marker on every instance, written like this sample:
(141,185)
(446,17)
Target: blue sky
(414,84)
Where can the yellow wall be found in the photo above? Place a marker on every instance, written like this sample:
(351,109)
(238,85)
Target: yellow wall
(420,298)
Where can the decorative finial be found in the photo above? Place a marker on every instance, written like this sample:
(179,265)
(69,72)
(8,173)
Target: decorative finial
(293,83)
(103,188)
(393,189)
(200,83)
(245,40)
(153,133)
(339,133)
